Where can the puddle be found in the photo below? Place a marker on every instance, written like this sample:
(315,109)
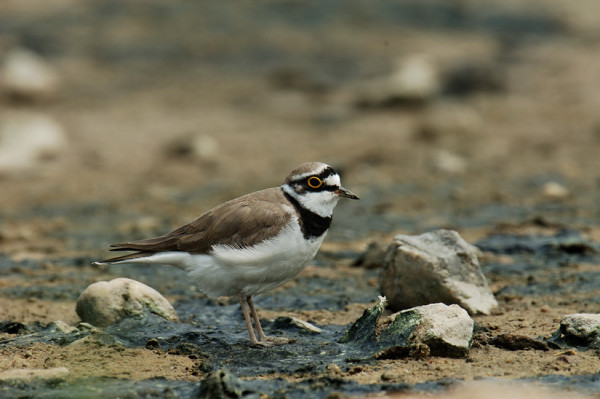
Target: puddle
(547,265)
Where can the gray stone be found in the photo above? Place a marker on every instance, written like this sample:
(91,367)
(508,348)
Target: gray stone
(434,329)
(106,302)
(446,329)
(581,329)
(435,267)
(372,258)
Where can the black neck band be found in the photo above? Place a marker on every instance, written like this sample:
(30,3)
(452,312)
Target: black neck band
(312,225)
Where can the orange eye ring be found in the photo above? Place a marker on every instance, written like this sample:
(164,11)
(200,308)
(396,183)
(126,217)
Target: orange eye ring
(314,182)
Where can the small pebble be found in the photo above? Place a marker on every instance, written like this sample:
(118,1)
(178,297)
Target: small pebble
(152,344)
(288,321)
(554,190)
(63,327)
(334,369)
(448,162)
(372,257)
(356,369)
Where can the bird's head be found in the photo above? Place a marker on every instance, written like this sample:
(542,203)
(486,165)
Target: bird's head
(317,187)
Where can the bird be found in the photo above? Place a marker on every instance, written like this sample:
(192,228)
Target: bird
(251,244)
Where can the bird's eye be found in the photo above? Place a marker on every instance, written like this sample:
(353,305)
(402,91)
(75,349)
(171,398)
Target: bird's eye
(314,182)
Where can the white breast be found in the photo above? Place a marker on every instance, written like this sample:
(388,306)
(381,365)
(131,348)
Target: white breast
(255,269)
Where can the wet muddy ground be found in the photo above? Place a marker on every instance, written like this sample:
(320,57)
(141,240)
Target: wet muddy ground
(267,87)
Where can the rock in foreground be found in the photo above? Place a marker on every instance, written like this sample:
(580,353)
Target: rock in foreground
(439,266)
(434,329)
(581,329)
(106,302)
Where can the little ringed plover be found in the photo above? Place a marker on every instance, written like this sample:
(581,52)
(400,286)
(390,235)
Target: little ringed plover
(251,244)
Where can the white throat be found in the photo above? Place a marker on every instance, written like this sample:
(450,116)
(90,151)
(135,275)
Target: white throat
(321,202)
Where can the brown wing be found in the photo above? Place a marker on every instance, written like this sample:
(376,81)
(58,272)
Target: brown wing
(244,221)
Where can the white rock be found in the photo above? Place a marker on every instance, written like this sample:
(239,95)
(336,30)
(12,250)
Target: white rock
(31,374)
(445,330)
(448,162)
(435,267)
(25,74)
(414,78)
(106,302)
(444,325)
(555,190)
(580,328)
(205,147)
(27,139)
(435,329)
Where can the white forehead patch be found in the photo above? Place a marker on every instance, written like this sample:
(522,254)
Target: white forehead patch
(333,180)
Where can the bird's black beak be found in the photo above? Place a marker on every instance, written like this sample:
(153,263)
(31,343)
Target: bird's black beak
(342,192)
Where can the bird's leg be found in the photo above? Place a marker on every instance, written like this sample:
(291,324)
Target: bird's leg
(264,340)
(261,333)
(253,340)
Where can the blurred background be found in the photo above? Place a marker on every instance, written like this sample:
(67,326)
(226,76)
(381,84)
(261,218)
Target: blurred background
(457,114)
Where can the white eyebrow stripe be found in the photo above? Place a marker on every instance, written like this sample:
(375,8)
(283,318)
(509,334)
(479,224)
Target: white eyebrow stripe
(305,175)
(312,173)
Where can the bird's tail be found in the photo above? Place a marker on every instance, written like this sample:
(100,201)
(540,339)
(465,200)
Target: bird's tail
(123,258)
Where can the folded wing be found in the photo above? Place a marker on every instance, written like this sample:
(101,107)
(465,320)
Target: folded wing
(242,222)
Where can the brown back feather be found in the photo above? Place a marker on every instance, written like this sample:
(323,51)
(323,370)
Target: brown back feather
(241,222)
